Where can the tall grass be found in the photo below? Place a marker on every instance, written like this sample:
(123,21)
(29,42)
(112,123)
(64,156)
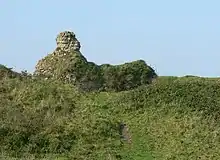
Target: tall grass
(173,118)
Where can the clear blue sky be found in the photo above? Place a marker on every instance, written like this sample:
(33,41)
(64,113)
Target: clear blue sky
(176,37)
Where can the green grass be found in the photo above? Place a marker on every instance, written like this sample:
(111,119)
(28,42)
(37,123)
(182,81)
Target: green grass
(173,118)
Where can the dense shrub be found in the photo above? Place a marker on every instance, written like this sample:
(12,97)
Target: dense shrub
(127,76)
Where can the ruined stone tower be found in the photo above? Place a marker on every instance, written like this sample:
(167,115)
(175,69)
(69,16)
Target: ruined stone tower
(67,41)
(66,63)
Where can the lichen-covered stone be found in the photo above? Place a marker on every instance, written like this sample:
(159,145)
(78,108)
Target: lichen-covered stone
(67,64)
(67,41)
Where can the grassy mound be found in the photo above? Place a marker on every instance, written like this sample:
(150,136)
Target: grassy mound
(172,118)
(176,118)
(72,67)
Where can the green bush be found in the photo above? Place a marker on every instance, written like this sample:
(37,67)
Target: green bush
(127,76)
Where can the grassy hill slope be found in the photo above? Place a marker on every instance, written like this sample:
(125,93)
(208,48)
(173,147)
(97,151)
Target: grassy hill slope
(172,118)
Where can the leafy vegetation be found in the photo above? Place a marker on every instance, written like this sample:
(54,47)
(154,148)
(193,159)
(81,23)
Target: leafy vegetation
(171,118)
(7,72)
